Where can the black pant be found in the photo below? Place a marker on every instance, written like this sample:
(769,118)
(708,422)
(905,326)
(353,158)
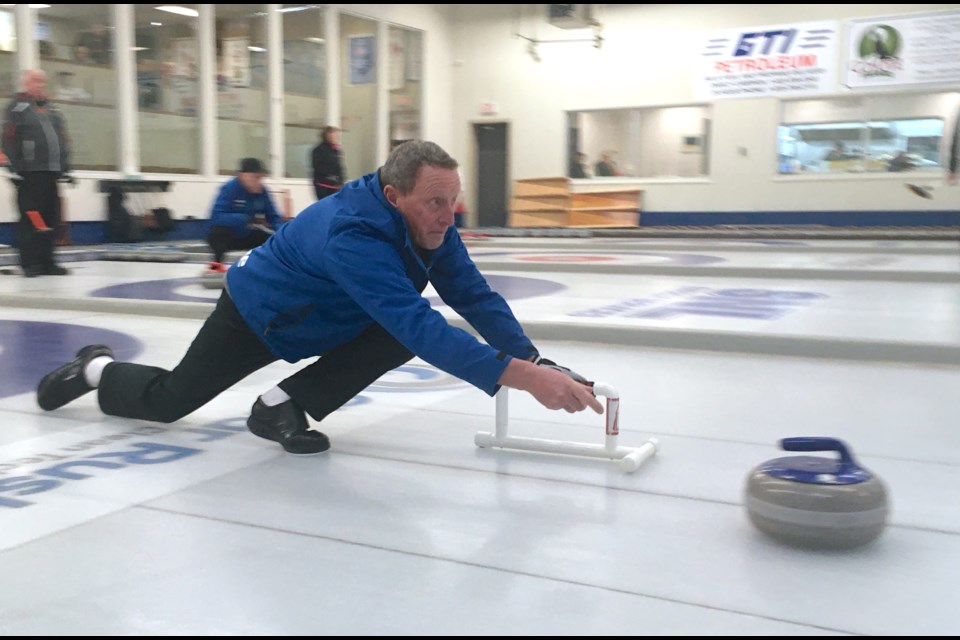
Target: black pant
(38,191)
(223,239)
(225,351)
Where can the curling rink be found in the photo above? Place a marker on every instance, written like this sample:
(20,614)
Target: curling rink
(718,349)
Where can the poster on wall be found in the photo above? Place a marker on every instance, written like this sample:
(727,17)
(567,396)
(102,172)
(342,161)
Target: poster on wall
(414,53)
(185,62)
(775,60)
(305,67)
(235,62)
(397,58)
(362,59)
(921,48)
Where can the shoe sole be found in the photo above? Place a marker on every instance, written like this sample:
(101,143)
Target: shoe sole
(77,381)
(78,388)
(263,430)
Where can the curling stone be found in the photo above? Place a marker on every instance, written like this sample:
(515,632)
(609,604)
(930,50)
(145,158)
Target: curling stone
(817,502)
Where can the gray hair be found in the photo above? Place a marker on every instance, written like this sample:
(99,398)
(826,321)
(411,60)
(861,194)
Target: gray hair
(404,162)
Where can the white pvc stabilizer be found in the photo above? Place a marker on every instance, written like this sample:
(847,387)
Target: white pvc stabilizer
(627,458)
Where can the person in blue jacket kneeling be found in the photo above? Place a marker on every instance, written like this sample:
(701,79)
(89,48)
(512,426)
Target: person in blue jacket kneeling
(243,215)
(343,281)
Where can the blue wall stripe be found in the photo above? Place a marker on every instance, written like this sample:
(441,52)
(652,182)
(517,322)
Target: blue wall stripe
(825,218)
(96,232)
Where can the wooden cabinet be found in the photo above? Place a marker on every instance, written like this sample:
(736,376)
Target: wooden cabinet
(550,202)
(540,202)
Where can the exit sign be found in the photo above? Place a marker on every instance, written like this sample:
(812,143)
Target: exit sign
(489,108)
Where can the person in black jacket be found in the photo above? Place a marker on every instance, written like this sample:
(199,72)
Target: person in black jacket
(605,167)
(578,168)
(38,150)
(954,164)
(328,174)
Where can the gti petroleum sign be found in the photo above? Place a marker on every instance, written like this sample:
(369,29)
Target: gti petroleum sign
(778,60)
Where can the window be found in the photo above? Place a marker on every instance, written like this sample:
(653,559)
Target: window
(77,53)
(404,61)
(864,134)
(650,142)
(242,98)
(168,76)
(358,95)
(9,82)
(304,85)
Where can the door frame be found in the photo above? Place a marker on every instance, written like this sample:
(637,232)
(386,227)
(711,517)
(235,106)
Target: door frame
(473,214)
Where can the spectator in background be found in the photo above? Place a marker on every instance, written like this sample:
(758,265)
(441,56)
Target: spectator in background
(94,46)
(66,90)
(327,163)
(901,162)
(605,166)
(243,215)
(954,164)
(578,168)
(838,152)
(37,147)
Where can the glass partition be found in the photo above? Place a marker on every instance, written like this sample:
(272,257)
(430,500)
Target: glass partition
(77,52)
(865,133)
(242,98)
(304,85)
(650,142)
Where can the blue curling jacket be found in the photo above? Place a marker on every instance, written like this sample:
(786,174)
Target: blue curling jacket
(346,262)
(235,207)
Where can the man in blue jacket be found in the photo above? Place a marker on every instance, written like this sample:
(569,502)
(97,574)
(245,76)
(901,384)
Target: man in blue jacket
(343,281)
(243,215)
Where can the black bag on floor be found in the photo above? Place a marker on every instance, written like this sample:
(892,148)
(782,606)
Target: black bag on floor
(163,221)
(119,220)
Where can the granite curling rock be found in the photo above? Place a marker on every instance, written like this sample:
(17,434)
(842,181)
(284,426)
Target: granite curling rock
(814,501)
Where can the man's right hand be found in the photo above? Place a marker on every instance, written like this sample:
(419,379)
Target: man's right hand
(952,178)
(551,388)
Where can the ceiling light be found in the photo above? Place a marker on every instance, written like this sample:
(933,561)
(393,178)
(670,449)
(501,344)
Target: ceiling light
(180,11)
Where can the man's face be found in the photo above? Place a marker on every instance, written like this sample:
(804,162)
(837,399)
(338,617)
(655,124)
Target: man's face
(35,84)
(428,208)
(252,182)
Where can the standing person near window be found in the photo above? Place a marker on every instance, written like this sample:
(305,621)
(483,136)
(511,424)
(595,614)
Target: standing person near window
(954,165)
(328,175)
(38,150)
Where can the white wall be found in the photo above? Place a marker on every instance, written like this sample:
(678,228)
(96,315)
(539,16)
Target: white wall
(648,58)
